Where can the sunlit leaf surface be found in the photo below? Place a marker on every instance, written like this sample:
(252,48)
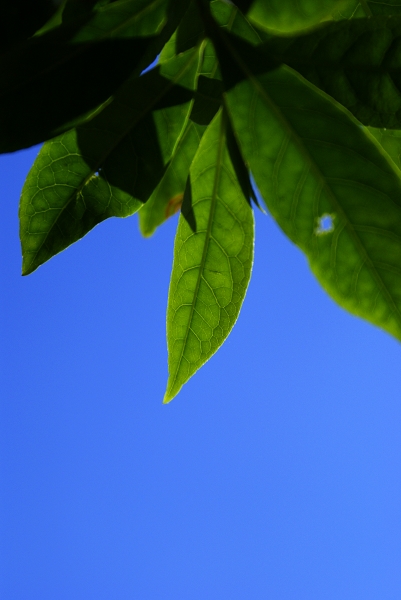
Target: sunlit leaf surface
(289,15)
(330,188)
(109,166)
(213,257)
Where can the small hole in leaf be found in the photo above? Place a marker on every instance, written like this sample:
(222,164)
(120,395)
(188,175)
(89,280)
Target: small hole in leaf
(325,224)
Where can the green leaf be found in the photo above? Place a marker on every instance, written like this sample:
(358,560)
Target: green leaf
(190,30)
(188,34)
(358,62)
(390,141)
(231,19)
(75,9)
(240,168)
(290,15)
(213,257)
(107,167)
(55,80)
(349,9)
(167,198)
(210,64)
(388,7)
(230,51)
(330,188)
(55,20)
(208,99)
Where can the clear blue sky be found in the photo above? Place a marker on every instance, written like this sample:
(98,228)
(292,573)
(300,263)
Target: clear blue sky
(275,474)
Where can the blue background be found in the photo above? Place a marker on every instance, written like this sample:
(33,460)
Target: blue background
(275,474)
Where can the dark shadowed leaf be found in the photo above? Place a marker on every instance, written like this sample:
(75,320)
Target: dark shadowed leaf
(390,141)
(384,7)
(20,19)
(190,31)
(208,99)
(167,198)
(107,167)
(76,9)
(350,9)
(54,80)
(358,62)
(237,43)
(231,19)
(188,34)
(241,170)
(213,256)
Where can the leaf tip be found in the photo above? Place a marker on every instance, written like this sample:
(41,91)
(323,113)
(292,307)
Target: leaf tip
(168,396)
(146,234)
(144,228)
(27,268)
(171,391)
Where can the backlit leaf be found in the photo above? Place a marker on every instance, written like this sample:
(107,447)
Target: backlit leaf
(167,198)
(213,257)
(188,34)
(231,19)
(351,10)
(107,167)
(330,188)
(390,141)
(290,15)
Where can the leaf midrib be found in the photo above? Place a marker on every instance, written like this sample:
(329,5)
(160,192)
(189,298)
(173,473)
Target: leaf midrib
(349,225)
(105,155)
(288,127)
(219,162)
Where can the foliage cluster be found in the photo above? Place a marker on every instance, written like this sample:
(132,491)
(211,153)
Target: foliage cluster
(305,95)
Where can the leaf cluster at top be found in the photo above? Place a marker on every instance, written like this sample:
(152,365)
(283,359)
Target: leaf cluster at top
(303,96)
